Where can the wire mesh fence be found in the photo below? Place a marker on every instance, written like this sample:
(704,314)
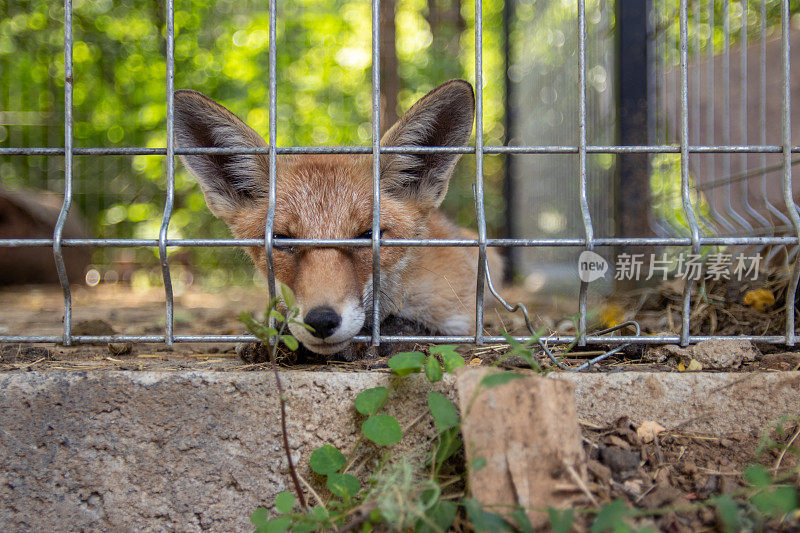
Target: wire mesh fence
(697,139)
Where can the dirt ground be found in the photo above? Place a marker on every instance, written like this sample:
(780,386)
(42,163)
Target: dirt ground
(675,471)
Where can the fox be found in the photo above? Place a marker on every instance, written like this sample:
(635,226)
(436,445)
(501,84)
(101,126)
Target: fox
(428,290)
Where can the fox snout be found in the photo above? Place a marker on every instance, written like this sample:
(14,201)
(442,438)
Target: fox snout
(323,320)
(332,328)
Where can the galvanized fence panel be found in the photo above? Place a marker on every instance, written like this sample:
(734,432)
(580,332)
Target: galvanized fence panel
(685,149)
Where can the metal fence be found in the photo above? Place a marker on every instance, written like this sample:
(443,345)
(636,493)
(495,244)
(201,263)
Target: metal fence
(694,240)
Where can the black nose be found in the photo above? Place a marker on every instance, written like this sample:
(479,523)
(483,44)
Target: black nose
(324,320)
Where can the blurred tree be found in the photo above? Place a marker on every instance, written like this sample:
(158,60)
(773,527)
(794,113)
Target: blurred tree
(390,75)
(324,57)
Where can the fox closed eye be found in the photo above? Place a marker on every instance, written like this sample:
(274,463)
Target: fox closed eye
(290,249)
(368,234)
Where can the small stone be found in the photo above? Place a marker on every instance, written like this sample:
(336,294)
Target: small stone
(781,361)
(623,463)
(120,348)
(252,352)
(600,471)
(614,440)
(633,486)
(661,496)
(661,354)
(724,354)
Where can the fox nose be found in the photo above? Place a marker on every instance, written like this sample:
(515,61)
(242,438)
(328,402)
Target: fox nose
(324,320)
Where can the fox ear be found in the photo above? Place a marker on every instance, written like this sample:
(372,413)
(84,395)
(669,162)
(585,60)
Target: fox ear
(443,117)
(229,181)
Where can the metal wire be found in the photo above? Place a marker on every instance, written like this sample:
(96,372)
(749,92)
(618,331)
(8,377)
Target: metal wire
(791,208)
(170,200)
(479,205)
(688,209)
(588,229)
(376,173)
(440,339)
(273,135)
(67,202)
(297,150)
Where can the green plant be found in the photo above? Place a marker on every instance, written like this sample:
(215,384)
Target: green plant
(270,336)
(395,494)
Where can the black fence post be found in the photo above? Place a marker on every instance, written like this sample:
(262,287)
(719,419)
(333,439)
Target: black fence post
(632,195)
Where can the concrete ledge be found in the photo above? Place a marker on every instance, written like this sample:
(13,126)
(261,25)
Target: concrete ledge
(191,451)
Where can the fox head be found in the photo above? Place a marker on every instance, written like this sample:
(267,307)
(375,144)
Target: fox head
(329,197)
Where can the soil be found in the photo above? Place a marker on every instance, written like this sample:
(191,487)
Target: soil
(678,471)
(675,471)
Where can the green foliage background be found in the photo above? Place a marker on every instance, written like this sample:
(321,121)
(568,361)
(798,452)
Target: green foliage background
(324,61)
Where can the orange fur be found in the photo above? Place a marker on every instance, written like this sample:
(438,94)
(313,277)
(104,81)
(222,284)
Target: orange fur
(331,197)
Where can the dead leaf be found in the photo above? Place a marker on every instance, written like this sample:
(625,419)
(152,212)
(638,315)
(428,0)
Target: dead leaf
(648,431)
(693,366)
(612,315)
(759,299)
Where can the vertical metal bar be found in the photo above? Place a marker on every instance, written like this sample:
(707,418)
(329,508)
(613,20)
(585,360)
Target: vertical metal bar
(479,207)
(684,133)
(584,200)
(67,202)
(726,116)
(743,106)
(376,173)
(763,121)
(710,118)
(653,64)
(273,130)
(509,187)
(170,201)
(711,108)
(791,289)
(695,101)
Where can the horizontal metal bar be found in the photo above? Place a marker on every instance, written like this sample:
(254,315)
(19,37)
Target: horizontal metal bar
(285,150)
(399,243)
(743,176)
(433,339)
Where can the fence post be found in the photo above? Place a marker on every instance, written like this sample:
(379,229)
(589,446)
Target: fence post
(632,194)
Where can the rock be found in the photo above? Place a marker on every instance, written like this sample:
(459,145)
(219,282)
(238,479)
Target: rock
(155,451)
(600,471)
(661,354)
(662,495)
(120,348)
(527,431)
(252,352)
(623,463)
(781,361)
(724,354)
